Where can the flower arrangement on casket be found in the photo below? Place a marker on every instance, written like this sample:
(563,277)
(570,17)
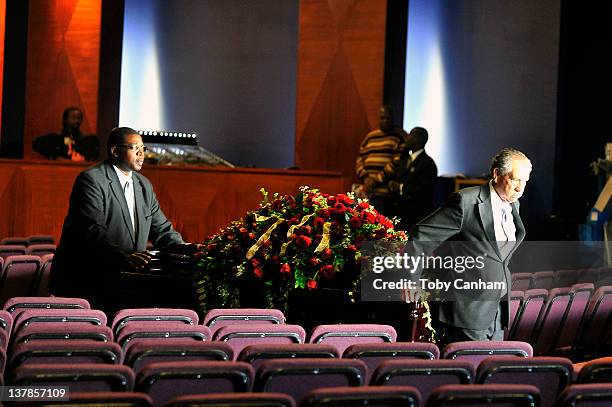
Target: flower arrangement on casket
(305,242)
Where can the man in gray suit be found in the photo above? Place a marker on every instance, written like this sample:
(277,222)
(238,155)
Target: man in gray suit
(487,218)
(113,212)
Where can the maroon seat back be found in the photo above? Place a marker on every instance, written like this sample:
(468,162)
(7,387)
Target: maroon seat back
(146,351)
(344,335)
(65,352)
(44,279)
(141,315)
(476,351)
(485,395)
(550,375)
(389,396)
(167,380)
(18,276)
(521,281)
(17,305)
(373,354)
(586,395)
(217,318)
(138,331)
(239,336)
(63,332)
(298,377)
(425,375)
(82,377)
(233,399)
(258,354)
(527,316)
(40,249)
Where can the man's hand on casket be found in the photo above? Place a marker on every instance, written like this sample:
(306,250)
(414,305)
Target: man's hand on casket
(138,260)
(184,249)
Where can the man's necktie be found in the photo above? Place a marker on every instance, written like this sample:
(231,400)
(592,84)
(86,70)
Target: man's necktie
(129,198)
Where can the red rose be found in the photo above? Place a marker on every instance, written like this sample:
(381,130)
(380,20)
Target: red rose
(351,248)
(255,263)
(318,222)
(211,247)
(326,254)
(324,213)
(362,206)
(355,222)
(345,198)
(258,273)
(311,284)
(303,241)
(243,231)
(340,208)
(285,269)
(368,217)
(327,271)
(331,201)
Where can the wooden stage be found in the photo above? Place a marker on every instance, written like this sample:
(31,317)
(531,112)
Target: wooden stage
(198,200)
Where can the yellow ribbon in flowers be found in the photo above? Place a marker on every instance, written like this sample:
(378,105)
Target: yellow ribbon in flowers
(263,238)
(324,243)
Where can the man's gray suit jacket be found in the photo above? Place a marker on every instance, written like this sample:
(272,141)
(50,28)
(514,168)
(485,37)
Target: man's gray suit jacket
(98,235)
(467,216)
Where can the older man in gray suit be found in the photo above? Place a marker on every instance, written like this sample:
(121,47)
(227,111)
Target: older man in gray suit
(113,212)
(487,218)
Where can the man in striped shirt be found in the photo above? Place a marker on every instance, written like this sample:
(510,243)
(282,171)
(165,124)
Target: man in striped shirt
(379,154)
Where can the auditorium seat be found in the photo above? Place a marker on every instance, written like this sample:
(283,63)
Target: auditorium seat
(7,250)
(83,377)
(586,395)
(44,277)
(61,331)
(581,294)
(527,315)
(388,396)
(588,275)
(147,351)
(485,395)
(596,371)
(164,381)
(425,375)
(476,351)
(551,320)
(40,249)
(43,316)
(6,322)
(14,241)
(18,276)
(373,354)
(255,355)
(239,336)
(169,315)
(516,300)
(233,399)
(344,335)
(137,331)
(17,305)
(549,374)
(543,280)
(220,317)
(297,377)
(40,239)
(565,278)
(521,281)
(595,334)
(64,352)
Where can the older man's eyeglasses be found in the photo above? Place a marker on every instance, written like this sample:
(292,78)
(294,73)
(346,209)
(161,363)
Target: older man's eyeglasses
(134,147)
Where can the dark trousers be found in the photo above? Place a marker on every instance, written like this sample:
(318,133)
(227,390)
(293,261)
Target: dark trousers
(446,333)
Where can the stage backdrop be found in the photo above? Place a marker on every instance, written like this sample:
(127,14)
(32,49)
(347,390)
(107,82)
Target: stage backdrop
(224,69)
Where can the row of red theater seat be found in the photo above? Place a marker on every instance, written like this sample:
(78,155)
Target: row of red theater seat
(171,319)
(597,276)
(572,321)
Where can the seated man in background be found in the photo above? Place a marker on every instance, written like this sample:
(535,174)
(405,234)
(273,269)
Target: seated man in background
(113,212)
(412,186)
(71,143)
